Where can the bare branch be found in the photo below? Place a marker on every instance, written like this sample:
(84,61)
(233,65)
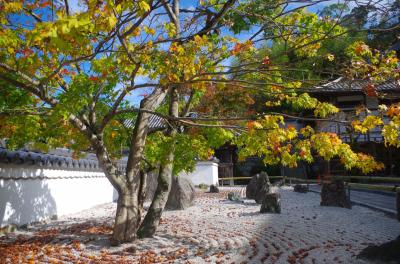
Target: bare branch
(66,7)
(36,17)
(188,104)
(211,23)
(169,10)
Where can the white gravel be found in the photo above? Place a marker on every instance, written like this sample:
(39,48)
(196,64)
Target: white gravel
(219,231)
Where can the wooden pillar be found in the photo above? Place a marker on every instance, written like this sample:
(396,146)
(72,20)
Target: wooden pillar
(390,161)
(398,202)
(232,182)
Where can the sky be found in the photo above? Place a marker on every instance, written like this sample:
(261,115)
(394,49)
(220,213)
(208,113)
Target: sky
(136,96)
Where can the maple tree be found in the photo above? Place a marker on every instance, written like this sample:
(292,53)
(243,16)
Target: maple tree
(70,75)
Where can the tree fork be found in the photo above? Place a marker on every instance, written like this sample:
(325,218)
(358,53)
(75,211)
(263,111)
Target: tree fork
(130,198)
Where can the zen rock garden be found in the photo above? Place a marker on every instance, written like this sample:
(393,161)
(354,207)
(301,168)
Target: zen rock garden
(121,121)
(259,223)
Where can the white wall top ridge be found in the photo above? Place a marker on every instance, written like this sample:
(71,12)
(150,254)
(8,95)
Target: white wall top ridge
(14,160)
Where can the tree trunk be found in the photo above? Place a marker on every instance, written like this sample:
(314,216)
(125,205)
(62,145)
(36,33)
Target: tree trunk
(130,202)
(127,218)
(142,191)
(153,216)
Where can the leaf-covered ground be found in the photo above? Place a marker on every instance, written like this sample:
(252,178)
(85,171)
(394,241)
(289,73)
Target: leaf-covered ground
(213,231)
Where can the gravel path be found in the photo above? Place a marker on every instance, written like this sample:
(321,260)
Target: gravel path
(214,231)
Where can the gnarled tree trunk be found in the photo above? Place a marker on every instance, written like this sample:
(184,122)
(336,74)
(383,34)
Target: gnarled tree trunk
(131,186)
(127,218)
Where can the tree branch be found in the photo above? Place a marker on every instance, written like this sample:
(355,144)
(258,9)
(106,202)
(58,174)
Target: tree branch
(118,101)
(169,10)
(211,23)
(66,7)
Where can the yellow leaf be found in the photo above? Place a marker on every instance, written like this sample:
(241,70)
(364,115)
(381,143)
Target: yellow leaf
(144,6)
(136,32)
(112,20)
(118,8)
(13,7)
(257,125)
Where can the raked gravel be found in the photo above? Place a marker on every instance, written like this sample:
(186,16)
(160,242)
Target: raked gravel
(216,230)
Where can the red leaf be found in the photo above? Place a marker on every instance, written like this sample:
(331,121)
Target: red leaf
(64,71)
(237,48)
(266,60)
(45,4)
(94,78)
(27,52)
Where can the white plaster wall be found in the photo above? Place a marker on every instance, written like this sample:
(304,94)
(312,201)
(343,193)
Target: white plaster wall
(75,195)
(205,172)
(30,200)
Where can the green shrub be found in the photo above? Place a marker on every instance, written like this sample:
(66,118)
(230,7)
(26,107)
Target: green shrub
(203,186)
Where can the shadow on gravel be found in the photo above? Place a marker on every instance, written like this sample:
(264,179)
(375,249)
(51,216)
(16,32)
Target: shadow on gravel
(388,252)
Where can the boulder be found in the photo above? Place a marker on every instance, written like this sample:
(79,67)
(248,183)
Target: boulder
(214,189)
(203,186)
(300,188)
(271,203)
(151,185)
(262,193)
(258,187)
(334,194)
(388,252)
(8,229)
(182,194)
(234,197)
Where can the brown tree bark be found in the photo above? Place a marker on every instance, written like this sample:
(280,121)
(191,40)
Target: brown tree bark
(127,218)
